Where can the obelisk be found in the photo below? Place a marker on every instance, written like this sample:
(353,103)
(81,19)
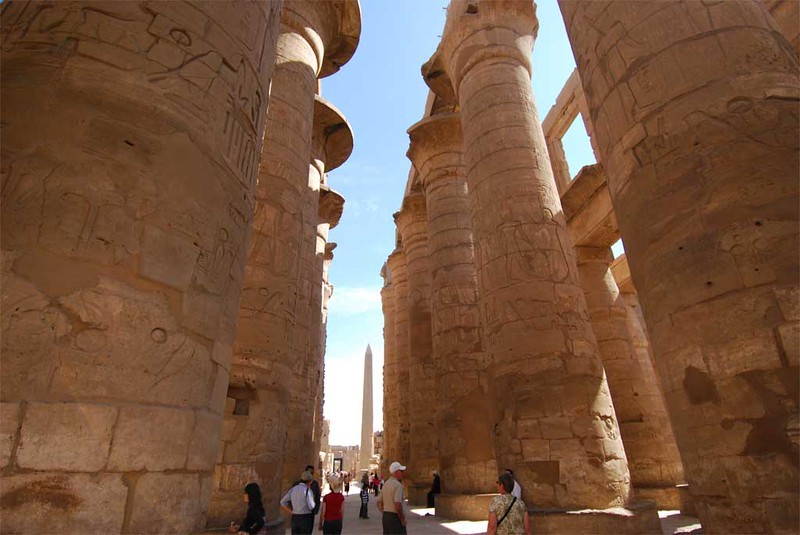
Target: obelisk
(366,413)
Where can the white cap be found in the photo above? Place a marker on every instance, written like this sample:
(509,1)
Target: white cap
(395,467)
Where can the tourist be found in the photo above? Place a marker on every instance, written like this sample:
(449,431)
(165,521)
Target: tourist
(436,488)
(331,517)
(376,483)
(315,489)
(299,502)
(517,492)
(507,513)
(363,513)
(390,504)
(254,518)
(347,484)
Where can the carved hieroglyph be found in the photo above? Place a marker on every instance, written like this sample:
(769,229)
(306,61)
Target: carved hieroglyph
(697,128)
(463,424)
(131,133)
(412,224)
(554,420)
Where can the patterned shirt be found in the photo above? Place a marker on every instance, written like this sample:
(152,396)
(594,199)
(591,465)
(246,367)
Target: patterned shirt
(514,522)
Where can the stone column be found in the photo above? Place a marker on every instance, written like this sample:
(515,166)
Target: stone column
(321,36)
(554,420)
(697,129)
(331,205)
(399,271)
(123,242)
(653,458)
(390,381)
(463,423)
(412,223)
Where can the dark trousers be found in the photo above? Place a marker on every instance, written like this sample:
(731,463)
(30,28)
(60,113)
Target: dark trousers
(332,527)
(392,525)
(431,499)
(303,524)
(363,512)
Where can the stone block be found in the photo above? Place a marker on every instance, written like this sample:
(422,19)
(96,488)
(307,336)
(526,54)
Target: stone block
(167,503)
(472,507)
(151,438)
(66,436)
(555,428)
(168,257)
(205,441)
(9,421)
(639,519)
(62,503)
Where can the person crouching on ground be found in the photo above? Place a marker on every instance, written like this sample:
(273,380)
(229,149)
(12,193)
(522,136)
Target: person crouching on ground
(299,502)
(363,513)
(254,519)
(507,513)
(331,517)
(391,502)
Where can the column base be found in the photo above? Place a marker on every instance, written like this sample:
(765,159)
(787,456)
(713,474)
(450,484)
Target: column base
(665,497)
(637,518)
(473,507)
(418,495)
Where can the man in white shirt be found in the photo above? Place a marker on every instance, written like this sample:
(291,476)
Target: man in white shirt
(299,502)
(517,492)
(390,502)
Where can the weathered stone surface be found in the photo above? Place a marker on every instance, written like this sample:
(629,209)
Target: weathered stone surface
(9,423)
(390,371)
(168,503)
(66,436)
(399,272)
(63,503)
(697,130)
(151,438)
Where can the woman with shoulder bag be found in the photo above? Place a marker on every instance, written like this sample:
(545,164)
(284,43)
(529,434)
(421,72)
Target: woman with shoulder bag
(507,514)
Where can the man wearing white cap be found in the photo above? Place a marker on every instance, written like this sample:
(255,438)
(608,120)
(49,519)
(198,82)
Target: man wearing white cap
(390,502)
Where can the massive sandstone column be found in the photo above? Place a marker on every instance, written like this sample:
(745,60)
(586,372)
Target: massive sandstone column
(554,420)
(390,383)
(698,130)
(131,134)
(317,38)
(397,267)
(463,422)
(653,458)
(412,223)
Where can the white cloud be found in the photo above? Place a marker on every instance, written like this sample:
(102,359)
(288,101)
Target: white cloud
(355,300)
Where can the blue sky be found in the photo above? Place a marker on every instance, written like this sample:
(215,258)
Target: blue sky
(381,92)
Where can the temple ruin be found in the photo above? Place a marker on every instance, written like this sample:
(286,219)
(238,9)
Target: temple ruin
(166,213)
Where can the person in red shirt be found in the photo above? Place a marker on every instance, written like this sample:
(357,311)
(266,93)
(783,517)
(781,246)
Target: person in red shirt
(330,519)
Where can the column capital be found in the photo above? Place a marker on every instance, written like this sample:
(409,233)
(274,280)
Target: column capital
(432,136)
(329,247)
(332,137)
(332,28)
(331,206)
(477,30)
(412,219)
(396,264)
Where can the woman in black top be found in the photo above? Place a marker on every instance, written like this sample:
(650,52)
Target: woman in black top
(254,520)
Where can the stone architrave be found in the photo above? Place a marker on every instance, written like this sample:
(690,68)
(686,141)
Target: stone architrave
(464,425)
(123,247)
(697,128)
(397,266)
(554,420)
(321,36)
(389,372)
(653,458)
(412,224)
